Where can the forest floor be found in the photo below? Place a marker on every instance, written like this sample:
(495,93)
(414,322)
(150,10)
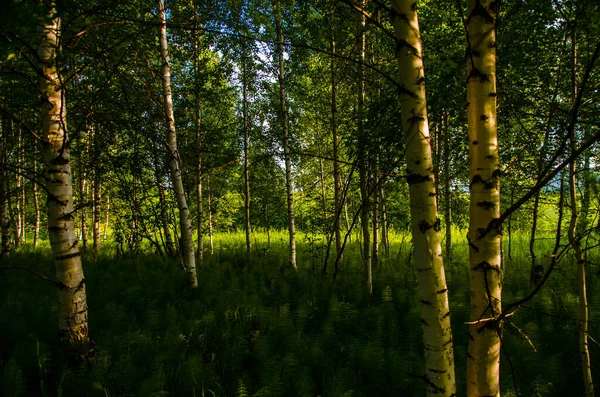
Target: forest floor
(258,328)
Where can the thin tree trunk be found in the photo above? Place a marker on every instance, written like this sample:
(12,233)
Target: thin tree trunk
(4,216)
(376,208)
(584,350)
(432,289)
(197,125)
(348,230)
(485,248)
(209,210)
(72,305)
(189,258)
(323,195)
(106,210)
(286,138)
(96,208)
(162,203)
(247,226)
(82,219)
(22,191)
(337,179)
(447,193)
(362,164)
(36,206)
(385,238)
(16,210)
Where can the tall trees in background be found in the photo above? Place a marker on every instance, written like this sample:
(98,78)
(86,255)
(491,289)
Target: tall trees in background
(187,244)
(425,223)
(72,302)
(484,236)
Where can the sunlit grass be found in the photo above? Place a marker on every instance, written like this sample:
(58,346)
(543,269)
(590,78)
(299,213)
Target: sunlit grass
(315,337)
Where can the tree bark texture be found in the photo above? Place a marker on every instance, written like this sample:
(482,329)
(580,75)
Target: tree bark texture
(189,259)
(485,254)
(425,223)
(72,304)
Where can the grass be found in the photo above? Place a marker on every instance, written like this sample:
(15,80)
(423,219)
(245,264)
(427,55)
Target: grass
(261,329)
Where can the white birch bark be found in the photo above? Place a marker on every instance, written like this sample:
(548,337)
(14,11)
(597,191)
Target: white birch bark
(189,259)
(425,223)
(72,304)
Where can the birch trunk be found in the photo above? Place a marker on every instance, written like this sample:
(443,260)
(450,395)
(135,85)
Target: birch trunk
(72,304)
(106,210)
(197,124)
(447,192)
(4,216)
(82,198)
(432,289)
(584,318)
(362,164)
(96,208)
(286,139)
(164,217)
(209,210)
(189,259)
(484,236)
(36,206)
(337,179)
(246,145)
(22,190)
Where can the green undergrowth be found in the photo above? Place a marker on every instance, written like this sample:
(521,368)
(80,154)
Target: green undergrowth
(258,328)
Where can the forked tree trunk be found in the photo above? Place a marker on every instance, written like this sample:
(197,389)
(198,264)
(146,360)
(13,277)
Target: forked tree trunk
(432,290)
(189,259)
(286,138)
(484,236)
(72,305)
(362,164)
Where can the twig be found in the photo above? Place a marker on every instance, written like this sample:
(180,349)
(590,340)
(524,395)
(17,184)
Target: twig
(524,336)
(57,283)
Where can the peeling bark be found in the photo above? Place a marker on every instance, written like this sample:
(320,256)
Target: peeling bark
(72,304)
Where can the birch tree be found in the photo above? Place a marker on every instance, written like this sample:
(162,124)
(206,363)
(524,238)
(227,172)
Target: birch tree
(485,261)
(425,223)
(72,303)
(189,259)
(286,136)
